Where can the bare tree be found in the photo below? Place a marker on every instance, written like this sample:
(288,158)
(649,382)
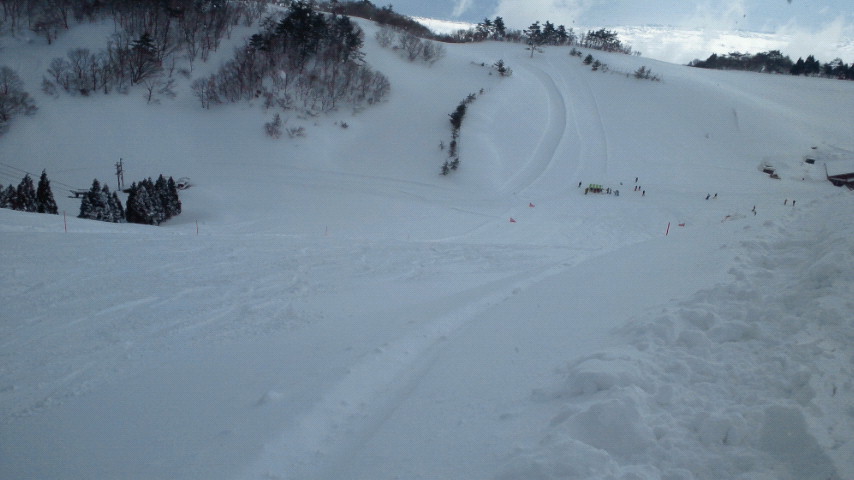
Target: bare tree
(13,99)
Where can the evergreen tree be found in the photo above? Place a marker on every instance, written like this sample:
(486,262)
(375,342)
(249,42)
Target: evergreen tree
(139,205)
(150,203)
(549,33)
(457,118)
(799,67)
(812,66)
(535,36)
(174,207)
(101,204)
(502,68)
(94,205)
(144,61)
(25,196)
(116,209)
(44,197)
(7,196)
(155,209)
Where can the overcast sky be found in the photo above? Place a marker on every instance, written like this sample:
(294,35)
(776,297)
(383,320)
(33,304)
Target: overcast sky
(754,15)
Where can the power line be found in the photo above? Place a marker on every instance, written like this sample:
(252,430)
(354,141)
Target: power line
(16,169)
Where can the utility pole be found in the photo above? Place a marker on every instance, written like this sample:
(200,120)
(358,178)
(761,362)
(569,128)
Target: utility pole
(120,175)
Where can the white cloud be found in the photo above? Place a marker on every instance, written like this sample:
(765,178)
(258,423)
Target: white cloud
(828,41)
(520,14)
(718,15)
(461,7)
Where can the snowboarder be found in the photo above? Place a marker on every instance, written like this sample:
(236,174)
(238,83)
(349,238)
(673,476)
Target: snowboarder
(708,195)
(716,195)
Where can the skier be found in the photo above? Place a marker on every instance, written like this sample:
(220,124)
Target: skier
(708,195)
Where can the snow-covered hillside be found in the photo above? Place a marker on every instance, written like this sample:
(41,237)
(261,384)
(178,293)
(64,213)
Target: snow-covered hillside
(331,307)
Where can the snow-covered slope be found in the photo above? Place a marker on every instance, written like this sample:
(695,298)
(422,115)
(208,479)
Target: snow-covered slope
(330,307)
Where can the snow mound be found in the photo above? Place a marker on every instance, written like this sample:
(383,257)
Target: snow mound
(745,380)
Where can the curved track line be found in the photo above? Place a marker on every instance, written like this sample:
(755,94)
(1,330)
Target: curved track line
(552,137)
(594,139)
(323,441)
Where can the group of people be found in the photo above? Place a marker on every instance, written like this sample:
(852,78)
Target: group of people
(609,191)
(785,202)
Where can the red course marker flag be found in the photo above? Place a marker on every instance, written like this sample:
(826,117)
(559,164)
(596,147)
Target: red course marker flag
(512,220)
(531,205)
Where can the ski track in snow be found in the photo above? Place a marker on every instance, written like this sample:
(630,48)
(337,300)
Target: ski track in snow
(593,154)
(553,135)
(258,350)
(326,439)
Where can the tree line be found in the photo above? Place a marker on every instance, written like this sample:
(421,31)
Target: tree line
(774,61)
(539,33)
(545,33)
(27,197)
(456,119)
(149,202)
(303,58)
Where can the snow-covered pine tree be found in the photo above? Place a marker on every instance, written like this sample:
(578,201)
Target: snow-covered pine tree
(93,206)
(150,203)
(138,205)
(6,196)
(45,202)
(143,204)
(25,196)
(116,210)
(111,213)
(156,212)
(174,200)
(161,187)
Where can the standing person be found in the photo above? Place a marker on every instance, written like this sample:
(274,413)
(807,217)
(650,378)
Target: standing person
(793,203)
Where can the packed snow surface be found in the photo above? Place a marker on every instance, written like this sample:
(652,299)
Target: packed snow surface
(330,307)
